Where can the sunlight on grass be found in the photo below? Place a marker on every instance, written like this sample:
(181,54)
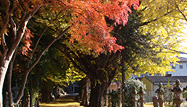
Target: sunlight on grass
(63,102)
(70,104)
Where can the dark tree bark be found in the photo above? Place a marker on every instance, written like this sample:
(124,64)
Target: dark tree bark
(37,102)
(101,71)
(30,92)
(4,98)
(84,91)
(45,95)
(25,99)
(97,94)
(46,92)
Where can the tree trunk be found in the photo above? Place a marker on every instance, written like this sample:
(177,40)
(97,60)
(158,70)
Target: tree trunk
(123,84)
(5,103)
(3,71)
(37,102)
(84,91)
(25,99)
(98,92)
(31,92)
(46,93)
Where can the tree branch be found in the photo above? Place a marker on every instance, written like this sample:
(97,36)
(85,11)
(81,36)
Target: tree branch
(36,46)
(153,20)
(184,16)
(13,27)
(21,32)
(34,63)
(9,74)
(13,6)
(6,5)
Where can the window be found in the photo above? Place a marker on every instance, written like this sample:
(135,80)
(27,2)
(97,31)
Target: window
(180,66)
(173,67)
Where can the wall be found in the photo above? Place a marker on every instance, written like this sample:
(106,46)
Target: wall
(178,70)
(149,85)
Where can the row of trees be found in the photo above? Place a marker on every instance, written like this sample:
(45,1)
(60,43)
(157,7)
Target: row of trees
(96,38)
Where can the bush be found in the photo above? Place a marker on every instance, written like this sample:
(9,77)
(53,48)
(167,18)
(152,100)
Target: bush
(128,93)
(168,95)
(129,90)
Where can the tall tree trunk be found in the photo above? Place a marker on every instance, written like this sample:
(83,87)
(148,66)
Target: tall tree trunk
(46,92)
(5,104)
(98,92)
(25,99)
(84,91)
(31,92)
(46,95)
(3,71)
(123,84)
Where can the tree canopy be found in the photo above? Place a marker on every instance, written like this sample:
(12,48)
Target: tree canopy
(87,24)
(159,32)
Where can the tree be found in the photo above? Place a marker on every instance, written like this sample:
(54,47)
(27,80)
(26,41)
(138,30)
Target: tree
(30,59)
(153,41)
(101,70)
(144,51)
(87,15)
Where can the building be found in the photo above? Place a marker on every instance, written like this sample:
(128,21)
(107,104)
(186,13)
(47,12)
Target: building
(180,68)
(114,86)
(152,83)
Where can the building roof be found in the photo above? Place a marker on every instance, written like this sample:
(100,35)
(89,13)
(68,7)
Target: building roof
(164,79)
(182,59)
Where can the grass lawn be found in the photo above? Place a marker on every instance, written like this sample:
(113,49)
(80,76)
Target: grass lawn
(70,103)
(148,105)
(73,104)
(62,102)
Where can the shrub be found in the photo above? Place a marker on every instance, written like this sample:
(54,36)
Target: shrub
(129,90)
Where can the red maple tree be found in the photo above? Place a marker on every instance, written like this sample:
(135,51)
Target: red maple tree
(90,27)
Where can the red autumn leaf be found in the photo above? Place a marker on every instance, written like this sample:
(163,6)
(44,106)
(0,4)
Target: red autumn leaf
(27,42)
